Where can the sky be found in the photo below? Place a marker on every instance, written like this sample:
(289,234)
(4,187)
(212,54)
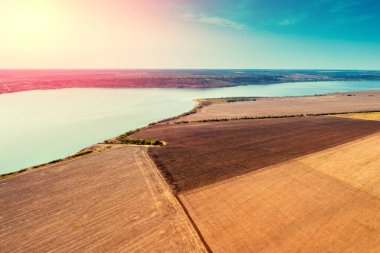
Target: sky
(181,34)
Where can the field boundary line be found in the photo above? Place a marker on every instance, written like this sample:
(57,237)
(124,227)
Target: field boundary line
(296,159)
(272,117)
(176,199)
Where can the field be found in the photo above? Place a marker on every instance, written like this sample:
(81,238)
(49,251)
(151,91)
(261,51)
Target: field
(291,184)
(325,202)
(306,184)
(356,164)
(365,116)
(202,153)
(113,201)
(334,103)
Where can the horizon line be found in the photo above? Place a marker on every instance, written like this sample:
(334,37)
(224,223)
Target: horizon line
(190,69)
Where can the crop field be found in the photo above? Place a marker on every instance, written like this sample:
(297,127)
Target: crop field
(324,202)
(203,153)
(296,184)
(334,103)
(356,164)
(306,184)
(113,201)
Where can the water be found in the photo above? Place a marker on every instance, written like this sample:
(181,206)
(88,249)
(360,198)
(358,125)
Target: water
(41,126)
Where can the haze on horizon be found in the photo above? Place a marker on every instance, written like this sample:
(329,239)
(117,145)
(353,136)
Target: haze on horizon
(326,34)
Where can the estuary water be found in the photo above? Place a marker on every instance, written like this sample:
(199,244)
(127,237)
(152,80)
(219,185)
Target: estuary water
(41,126)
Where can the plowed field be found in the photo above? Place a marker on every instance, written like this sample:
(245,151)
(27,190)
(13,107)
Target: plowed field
(334,103)
(114,201)
(203,153)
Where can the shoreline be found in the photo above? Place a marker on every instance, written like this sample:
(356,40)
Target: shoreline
(198,104)
(9,91)
(13,80)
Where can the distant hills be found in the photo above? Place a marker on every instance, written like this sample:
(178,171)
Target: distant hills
(23,80)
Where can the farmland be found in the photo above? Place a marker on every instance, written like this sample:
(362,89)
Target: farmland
(287,184)
(202,153)
(324,202)
(356,164)
(307,184)
(114,201)
(332,103)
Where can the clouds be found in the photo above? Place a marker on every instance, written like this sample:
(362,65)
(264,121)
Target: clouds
(296,19)
(213,20)
(325,19)
(343,6)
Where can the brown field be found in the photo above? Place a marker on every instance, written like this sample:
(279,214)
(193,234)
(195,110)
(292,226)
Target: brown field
(203,153)
(334,103)
(308,184)
(114,201)
(324,202)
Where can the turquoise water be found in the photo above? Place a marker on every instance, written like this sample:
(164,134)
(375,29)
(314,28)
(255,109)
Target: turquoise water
(41,126)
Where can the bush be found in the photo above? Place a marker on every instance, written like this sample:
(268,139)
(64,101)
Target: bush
(124,139)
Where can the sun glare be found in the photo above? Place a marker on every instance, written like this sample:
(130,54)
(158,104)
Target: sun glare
(30,23)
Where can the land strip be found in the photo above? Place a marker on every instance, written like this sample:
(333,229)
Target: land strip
(276,107)
(113,201)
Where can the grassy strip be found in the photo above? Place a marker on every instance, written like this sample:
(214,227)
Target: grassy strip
(272,117)
(338,113)
(239,99)
(126,139)
(15,173)
(81,153)
(11,174)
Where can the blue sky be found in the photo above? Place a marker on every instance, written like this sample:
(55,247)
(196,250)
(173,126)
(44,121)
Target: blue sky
(309,34)
(351,20)
(285,34)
